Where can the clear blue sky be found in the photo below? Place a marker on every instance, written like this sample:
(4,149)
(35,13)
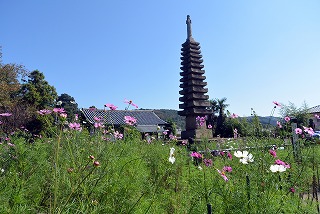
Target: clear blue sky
(101,51)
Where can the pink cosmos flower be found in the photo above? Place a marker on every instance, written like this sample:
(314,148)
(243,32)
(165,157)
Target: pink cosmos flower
(130,120)
(64,115)
(229,155)
(59,110)
(227,169)
(97,119)
(287,119)
(196,155)
(280,162)
(130,103)
(222,153)
(5,114)
(298,131)
(309,130)
(172,137)
(207,162)
(165,132)
(279,124)
(98,124)
(44,112)
(292,189)
(209,126)
(273,153)
(117,135)
(317,116)
(75,126)
(276,104)
(223,175)
(233,115)
(111,106)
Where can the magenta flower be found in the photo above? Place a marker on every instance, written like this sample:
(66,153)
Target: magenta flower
(292,189)
(130,103)
(227,169)
(44,112)
(5,114)
(184,142)
(223,175)
(111,106)
(273,153)
(309,130)
(287,119)
(233,115)
(64,115)
(279,124)
(276,104)
(317,116)
(280,162)
(59,110)
(229,155)
(298,131)
(172,137)
(97,119)
(98,125)
(207,162)
(75,126)
(196,155)
(209,126)
(117,135)
(130,120)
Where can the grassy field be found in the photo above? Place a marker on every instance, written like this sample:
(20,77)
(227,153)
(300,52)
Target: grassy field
(74,172)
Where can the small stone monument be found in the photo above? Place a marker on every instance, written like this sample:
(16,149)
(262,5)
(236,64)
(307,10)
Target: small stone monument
(193,94)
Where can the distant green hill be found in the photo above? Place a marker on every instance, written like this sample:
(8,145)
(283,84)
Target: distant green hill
(169,114)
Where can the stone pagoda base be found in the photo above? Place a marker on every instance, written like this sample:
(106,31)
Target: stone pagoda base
(200,133)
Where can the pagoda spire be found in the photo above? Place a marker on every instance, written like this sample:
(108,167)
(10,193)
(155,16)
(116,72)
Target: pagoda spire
(189,31)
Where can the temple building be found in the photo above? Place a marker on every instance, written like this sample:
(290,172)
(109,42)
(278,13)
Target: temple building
(195,102)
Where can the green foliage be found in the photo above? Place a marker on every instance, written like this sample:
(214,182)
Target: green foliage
(70,106)
(78,173)
(299,113)
(37,91)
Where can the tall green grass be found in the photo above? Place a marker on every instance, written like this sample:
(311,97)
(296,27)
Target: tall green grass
(57,175)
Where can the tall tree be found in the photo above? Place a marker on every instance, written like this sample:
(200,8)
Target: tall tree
(37,91)
(221,107)
(69,104)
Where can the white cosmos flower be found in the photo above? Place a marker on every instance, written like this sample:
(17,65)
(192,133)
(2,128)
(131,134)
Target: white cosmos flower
(245,156)
(277,168)
(172,159)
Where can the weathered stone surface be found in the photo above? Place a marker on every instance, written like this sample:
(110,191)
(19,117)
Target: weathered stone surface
(195,102)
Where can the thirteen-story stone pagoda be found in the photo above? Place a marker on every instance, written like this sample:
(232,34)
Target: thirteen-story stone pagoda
(193,92)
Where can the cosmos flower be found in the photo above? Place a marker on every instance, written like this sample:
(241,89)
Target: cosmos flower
(6,114)
(209,126)
(130,120)
(196,155)
(172,159)
(111,106)
(298,131)
(287,119)
(309,130)
(223,175)
(207,162)
(279,124)
(233,115)
(276,104)
(59,110)
(273,153)
(130,103)
(244,156)
(44,112)
(277,168)
(75,126)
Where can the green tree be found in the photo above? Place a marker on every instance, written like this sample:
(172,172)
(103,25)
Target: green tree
(299,113)
(69,104)
(37,91)
(221,107)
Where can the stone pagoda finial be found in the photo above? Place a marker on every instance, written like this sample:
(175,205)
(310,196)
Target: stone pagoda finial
(189,32)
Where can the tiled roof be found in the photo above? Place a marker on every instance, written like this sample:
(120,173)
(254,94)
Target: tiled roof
(116,117)
(315,109)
